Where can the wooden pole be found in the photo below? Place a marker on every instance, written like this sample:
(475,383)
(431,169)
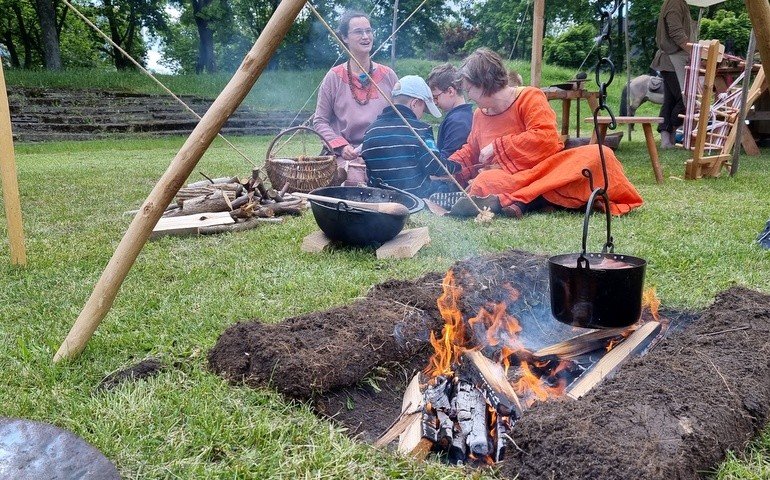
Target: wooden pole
(759,14)
(9,180)
(740,124)
(394,29)
(184,162)
(538,21)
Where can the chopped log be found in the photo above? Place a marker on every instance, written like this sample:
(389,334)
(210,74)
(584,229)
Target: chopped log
(189,224)
(405,245)
(275,209)
(491,379)
(471,410)
(411,437)
(635,343)
(411,409)
(241,226)
(213,181)
(215,202)
(584,343)
(315,242)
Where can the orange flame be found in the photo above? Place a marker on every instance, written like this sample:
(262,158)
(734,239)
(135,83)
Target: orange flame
(532,388)
(650,300)
(452,341)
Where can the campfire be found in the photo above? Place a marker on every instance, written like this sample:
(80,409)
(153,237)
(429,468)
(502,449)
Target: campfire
(486,371)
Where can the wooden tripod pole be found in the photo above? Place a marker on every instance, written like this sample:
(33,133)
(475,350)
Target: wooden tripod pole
(9,180)
(106,289)
(759,14)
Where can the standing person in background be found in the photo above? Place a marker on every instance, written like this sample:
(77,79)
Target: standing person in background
(348,101)
(672,35)
(446,88)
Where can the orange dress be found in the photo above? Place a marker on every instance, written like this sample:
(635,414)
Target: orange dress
(530,160)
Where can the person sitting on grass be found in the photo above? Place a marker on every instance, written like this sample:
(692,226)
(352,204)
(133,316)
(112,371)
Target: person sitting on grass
(392,153)
(447,91)
(515,160)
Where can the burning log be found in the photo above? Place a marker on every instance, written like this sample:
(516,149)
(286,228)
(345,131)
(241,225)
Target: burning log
(636,342)
(472,418)
(491,379)
(584,343)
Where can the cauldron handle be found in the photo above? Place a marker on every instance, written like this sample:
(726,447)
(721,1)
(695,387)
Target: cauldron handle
(582,261)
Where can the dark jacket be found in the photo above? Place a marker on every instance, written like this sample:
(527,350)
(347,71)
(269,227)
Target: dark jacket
(395,156)
(454,130)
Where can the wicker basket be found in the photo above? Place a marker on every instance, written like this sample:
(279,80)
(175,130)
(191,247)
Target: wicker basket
(303,174)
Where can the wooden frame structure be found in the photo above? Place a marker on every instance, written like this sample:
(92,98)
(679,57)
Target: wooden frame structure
(10,181)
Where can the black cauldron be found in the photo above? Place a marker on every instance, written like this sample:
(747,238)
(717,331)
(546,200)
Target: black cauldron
(343,223)
(596,290)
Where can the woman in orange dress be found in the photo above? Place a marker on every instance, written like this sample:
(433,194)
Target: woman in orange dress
(515,161)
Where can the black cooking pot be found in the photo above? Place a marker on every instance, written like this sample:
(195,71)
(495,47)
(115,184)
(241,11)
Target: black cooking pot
(596,290)
(343,223)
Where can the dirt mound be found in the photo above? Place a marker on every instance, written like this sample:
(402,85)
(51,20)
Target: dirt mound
(671,414)
(332,349)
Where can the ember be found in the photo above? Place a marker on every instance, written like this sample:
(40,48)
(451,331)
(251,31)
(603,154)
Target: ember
(468,398)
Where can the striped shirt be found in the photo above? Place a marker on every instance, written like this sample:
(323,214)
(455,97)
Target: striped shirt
(393,155)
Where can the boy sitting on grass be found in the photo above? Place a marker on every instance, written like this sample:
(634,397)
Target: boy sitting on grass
(392,153)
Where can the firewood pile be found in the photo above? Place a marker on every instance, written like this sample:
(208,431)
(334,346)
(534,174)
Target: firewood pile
(227,204)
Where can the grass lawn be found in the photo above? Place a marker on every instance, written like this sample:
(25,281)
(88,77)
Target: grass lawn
(698,237)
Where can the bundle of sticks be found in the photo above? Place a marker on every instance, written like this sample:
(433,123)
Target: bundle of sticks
(248,202)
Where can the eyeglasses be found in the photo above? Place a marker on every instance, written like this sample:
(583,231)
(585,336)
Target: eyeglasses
(437,95)
(360,32)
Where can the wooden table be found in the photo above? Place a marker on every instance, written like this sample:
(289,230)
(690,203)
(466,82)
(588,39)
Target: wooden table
(646,123)
(566,97)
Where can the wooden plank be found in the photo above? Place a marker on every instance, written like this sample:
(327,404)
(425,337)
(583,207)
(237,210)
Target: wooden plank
(613,359)
(412,404)
(10,181)
(316,242)
(189,224)
(406,244)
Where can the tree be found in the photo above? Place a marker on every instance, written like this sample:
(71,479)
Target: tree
(46,14)
(125,21)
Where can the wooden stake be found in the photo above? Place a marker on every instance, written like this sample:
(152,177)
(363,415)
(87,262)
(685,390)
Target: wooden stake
(9,180)
(106,289)
(759,14)
(612,360)
(536,60)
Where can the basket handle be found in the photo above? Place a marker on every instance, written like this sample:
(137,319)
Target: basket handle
(292,129)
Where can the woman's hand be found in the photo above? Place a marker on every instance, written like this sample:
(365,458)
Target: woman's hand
(349,153)
(486,156)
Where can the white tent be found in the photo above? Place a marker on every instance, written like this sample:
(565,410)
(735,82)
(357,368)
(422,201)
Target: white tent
(703,3)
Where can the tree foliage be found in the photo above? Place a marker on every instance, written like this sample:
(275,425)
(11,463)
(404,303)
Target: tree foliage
(212,35)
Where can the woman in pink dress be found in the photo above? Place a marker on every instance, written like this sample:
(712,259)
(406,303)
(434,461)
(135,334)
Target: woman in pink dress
(348,101)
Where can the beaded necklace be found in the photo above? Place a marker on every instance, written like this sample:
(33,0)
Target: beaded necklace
(364,80)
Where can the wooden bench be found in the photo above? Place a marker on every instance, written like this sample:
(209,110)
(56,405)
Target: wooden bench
(646,123)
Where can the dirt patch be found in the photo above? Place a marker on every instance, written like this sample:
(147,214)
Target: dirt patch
(148,367)
(671,414)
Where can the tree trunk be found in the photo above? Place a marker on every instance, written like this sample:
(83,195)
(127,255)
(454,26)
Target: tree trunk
(14,55)
(205,39)
(46,14)
(26,38)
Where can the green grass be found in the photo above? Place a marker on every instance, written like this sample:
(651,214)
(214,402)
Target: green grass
(698,237)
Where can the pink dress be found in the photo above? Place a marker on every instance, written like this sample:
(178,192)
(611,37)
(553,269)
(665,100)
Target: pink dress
(341,120)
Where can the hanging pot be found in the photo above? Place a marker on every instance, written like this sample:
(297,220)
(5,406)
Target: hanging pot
(596,290)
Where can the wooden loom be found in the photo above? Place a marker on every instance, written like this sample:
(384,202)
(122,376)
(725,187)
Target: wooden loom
(707,126)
